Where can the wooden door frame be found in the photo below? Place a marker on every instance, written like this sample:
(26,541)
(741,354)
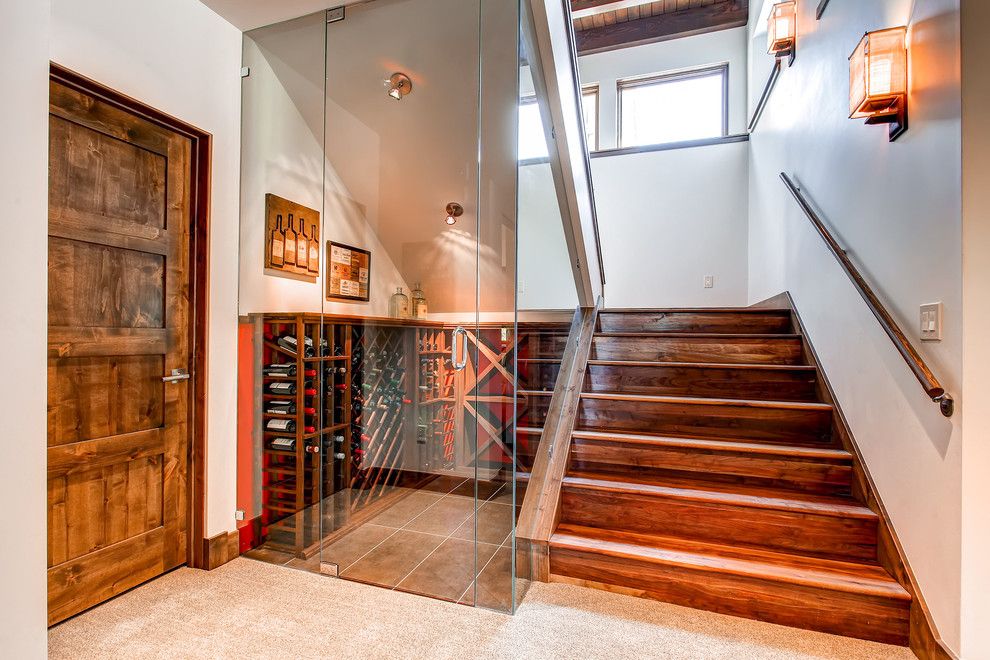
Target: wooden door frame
(199,246)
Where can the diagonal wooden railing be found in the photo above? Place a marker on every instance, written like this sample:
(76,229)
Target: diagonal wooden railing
(541,505)
(933,388)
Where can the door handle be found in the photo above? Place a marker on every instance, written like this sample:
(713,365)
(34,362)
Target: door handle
(459,333)
(177,375)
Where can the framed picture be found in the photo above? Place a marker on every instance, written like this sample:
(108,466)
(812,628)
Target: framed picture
(348,272)
(292,238)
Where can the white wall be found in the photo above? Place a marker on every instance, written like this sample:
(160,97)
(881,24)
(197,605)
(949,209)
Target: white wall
(896,208)
(669,218)
(180,57)
(975,408)
(23,316)
(606,69)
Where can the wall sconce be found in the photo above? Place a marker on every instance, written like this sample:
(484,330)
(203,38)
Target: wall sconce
(454,211)
(782,30)
(878,80)
(398,85)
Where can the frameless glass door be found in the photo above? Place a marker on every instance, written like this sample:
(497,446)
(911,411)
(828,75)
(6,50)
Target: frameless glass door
(419,242)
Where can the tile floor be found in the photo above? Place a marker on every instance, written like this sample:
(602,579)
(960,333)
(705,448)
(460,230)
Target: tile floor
(424,544)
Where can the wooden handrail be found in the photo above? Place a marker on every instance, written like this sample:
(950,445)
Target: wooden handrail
(914,360)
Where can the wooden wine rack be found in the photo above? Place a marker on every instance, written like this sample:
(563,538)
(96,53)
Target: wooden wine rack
(293,480)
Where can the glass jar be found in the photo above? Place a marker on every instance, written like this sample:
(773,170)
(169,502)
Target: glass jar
(418,303)
(398,305)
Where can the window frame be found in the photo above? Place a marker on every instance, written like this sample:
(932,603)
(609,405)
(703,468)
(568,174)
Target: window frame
(722,68)
(591,88)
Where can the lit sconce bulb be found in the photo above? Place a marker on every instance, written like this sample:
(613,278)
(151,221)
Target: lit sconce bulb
(398,85)
(454,211)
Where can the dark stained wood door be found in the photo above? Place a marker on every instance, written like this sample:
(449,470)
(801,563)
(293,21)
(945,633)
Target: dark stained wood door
(118,322)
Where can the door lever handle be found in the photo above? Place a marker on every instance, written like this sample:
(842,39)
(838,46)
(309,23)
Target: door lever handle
(177,375)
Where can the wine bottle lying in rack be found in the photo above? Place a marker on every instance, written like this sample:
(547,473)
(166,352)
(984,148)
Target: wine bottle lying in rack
(283,444)
(336,371)
(279,370)
(281,408)
(281,425)
(283,388)
(291,344)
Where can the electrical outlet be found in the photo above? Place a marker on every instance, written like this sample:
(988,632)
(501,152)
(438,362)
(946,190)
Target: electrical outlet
(709,281)
(931,322)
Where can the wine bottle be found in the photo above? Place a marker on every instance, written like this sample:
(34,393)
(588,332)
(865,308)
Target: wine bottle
(279,370)
(281,425)
(309,429)
(309,411)
(291,344)
(309,390)
(281,408)
(290,244)
(314,250)
(283,444)
(302,246)
(278,242)
(283,388)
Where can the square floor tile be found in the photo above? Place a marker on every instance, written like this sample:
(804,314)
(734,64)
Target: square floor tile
(406,509)
(443,517)
(449,570)
(494,584)
(392,559)
(494,524)
(355,545)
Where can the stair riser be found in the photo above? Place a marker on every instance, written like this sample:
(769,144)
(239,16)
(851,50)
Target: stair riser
(532,410)
(725,322)
(549,345)
(780,425)
(538,376)
(830,537)
(826,610)
(724,350)
(762,384)
(800,474)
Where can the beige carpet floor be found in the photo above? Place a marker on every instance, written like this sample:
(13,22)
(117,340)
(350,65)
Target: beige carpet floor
(249,609)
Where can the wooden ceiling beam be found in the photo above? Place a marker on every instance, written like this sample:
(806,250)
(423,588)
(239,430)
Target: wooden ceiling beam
(675,25)
(586,8)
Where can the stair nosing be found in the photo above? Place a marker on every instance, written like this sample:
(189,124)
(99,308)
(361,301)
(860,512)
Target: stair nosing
(701,335)
(695,310)
(728,445)
(735,566)
(834,510)
(758,366)
(692,400)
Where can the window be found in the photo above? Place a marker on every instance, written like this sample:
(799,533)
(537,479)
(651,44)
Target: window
(674,107)
(532,143)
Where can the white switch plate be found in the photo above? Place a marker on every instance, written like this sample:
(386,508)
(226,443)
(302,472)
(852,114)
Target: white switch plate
(709,281)
(931,322)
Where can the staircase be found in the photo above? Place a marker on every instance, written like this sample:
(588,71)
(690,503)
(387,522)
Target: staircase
(707,470)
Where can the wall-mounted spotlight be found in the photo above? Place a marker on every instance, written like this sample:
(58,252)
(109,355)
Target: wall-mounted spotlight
(454,211)
(782,30)
(878,80)
(398,85)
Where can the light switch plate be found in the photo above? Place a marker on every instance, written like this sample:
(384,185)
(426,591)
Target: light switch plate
(709,281)
(931,322)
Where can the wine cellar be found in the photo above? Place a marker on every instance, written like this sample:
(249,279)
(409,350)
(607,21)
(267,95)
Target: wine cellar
(353,410)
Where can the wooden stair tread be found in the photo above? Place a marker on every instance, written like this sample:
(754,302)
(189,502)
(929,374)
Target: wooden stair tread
(728,445)
(709,401)
(861,579)
(755,366)
(733,494)
(773,311)
(702,335)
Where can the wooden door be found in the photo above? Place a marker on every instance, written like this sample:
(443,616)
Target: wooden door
(118,322)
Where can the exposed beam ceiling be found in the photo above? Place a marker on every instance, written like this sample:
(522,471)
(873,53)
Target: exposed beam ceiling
(602,25)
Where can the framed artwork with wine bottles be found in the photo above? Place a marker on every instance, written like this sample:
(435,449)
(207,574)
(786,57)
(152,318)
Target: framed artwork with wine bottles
(292,238)
(348,272)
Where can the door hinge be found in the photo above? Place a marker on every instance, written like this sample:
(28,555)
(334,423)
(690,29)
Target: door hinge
(245,71)
(336,14)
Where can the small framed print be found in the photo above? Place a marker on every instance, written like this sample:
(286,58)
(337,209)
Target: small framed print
(348,272)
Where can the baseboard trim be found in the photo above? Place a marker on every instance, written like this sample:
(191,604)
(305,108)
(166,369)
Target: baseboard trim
(925,640)
(220,549)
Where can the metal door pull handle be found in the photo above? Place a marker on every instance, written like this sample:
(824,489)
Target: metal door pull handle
(177,375)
